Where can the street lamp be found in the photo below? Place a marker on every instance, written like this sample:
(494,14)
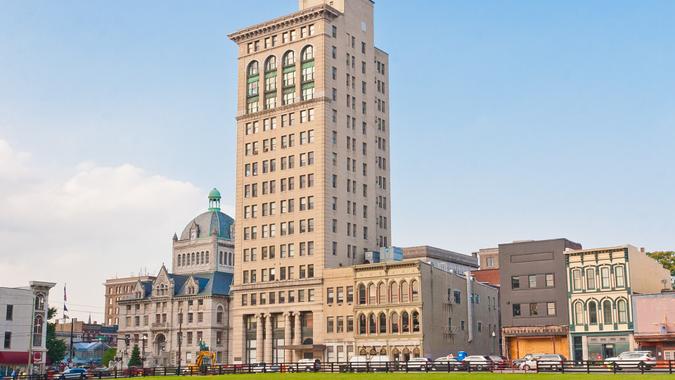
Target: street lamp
(144,340)
(494,341)
(180,339)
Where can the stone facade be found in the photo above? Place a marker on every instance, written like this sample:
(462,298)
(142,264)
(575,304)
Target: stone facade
(312,170)
(171,315)
(116,289)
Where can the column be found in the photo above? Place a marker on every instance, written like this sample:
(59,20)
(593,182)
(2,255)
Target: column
(297,338)
(259,338)
(287,337)
(269,336)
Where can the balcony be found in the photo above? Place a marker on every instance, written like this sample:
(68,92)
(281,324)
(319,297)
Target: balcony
(159,326)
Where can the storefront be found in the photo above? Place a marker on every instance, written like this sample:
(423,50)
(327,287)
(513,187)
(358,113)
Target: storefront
(599,346)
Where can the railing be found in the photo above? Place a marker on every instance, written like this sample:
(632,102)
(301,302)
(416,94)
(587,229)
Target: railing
(541,366)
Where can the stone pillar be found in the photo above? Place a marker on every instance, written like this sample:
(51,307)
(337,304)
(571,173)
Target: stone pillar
(287,338)
(297,338)
(259,338)
(269,337)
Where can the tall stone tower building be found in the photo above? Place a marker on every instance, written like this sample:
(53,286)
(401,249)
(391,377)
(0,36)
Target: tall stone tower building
(312,170)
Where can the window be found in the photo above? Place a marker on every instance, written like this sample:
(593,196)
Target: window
(550,280)
(576,279)
(590,279)
(622,311)
(516,310)
(330,324)
(534,309)
(607,312)
(592,313)
(458,297)
(8,340)
(579,313)
(9,315)
(532,281)
(550,308)
(604,277)
(515,282)
(619,276)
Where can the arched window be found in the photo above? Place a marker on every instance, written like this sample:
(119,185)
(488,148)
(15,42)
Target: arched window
(393,292)
(372,324)
(219,314)
(362,294)
(405,322)
(382,293)
(271,82)
(207,257)
(383,323)
(289,58)
(622,311)
(383,351)
(220,258)
(307,61)
(362,324)
(414,287)
(405,292)
(289,78)
(579,313)
(39,302)
(37,331)
(607,312)
(192,258)
(394,323)
(415,321)
(372,294)
(592,313)
(252,83)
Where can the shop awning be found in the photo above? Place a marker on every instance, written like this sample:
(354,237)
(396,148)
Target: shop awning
(14,358)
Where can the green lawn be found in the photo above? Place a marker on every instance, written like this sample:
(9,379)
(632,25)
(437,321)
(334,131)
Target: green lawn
(415,376)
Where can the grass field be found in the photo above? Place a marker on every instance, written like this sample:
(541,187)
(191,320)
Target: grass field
(417,376)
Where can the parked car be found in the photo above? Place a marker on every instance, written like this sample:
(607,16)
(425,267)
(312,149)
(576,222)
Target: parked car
(518,362)
(498,362)
(633,359)
(378,363)
(305,365)
(74,373)
(418,364)
(478,362)
(447,364)
(357,363)
(550,362)
(264,367)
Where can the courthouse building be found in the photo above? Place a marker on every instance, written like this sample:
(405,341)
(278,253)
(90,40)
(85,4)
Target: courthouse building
(179,310)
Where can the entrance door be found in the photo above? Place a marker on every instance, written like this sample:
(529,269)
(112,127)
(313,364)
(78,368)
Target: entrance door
(578,348)
(607,350)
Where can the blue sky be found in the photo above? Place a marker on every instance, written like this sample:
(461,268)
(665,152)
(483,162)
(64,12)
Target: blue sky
(510,119)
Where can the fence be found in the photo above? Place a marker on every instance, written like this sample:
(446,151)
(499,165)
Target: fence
(664,366)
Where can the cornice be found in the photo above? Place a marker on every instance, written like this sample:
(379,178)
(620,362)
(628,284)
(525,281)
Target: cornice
(321,11)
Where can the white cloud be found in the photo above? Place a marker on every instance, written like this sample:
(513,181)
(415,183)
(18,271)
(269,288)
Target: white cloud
(94,223)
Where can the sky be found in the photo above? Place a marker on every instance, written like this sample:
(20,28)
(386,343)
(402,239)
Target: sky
(510,120)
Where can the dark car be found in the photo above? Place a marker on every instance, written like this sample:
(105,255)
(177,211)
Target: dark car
(74,373)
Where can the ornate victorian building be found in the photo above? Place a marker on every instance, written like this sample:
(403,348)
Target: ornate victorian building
(169,316)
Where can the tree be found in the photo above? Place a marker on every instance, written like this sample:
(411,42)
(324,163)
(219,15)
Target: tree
(135,360)
(108,356)
(666,258)
(56,348)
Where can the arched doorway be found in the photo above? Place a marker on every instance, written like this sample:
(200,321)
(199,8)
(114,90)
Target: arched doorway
(406,354)
(160,344)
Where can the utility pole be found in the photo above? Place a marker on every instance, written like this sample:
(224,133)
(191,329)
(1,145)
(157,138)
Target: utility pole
(72,349)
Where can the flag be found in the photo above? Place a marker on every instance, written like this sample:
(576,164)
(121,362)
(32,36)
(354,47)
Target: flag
(65,298)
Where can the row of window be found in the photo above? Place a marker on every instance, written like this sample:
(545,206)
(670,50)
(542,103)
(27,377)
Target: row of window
(287,206)
(534,281)
(594,278)
(285,229)
(286,37)
(285,250)
(340,294)
(534,309)
(395,292)
(270,274)
(270,124)
(404,323)
(281,297)
(340,324)
(590,313)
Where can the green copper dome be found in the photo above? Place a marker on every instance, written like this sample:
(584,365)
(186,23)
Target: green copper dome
(214,194)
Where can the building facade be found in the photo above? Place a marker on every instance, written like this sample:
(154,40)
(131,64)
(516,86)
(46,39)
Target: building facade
(602,284)
(654,321)
(116,289)
(312,170)
(173,315)
(488,258)
(533,297)
(412,308)
(23,327)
